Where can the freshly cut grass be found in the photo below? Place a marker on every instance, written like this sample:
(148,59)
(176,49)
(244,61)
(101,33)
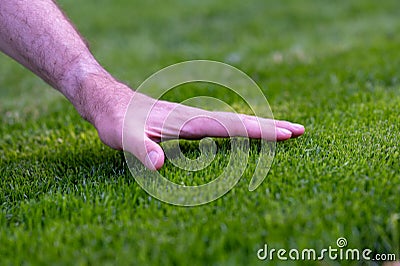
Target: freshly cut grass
(67,199)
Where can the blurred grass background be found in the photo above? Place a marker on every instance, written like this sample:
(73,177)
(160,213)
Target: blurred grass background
(332,66)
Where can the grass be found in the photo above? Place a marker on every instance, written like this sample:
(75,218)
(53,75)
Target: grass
(333,66)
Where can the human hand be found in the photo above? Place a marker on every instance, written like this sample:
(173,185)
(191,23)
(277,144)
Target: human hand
(168,120)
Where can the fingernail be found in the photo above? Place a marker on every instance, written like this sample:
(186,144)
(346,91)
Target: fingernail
(153,156)
(284,131)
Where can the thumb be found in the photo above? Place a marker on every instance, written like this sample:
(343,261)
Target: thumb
(154,157)
(146,150)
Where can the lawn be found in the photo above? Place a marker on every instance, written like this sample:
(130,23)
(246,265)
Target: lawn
(66,199)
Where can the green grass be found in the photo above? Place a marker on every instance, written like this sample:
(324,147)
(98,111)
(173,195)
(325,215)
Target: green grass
(332,65)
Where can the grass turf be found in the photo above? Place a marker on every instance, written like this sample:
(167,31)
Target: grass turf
(333,66)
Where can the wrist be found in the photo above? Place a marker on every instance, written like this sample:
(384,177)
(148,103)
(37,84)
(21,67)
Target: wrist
(103,101)
(76,75)
(91,89)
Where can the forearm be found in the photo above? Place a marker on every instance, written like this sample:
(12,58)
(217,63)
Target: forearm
(38,35)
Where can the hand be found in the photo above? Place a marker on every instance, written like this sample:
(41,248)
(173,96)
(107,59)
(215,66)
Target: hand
(169,120)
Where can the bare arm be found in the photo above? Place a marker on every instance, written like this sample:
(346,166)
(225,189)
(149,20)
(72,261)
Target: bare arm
(38,35)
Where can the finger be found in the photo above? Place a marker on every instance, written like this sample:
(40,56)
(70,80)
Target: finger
(192,123)
(296,129)
(146,150)
(154,159)
(282,126)
(222,124)
(265,128)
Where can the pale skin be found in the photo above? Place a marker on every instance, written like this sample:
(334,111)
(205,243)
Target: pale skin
(39,36)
